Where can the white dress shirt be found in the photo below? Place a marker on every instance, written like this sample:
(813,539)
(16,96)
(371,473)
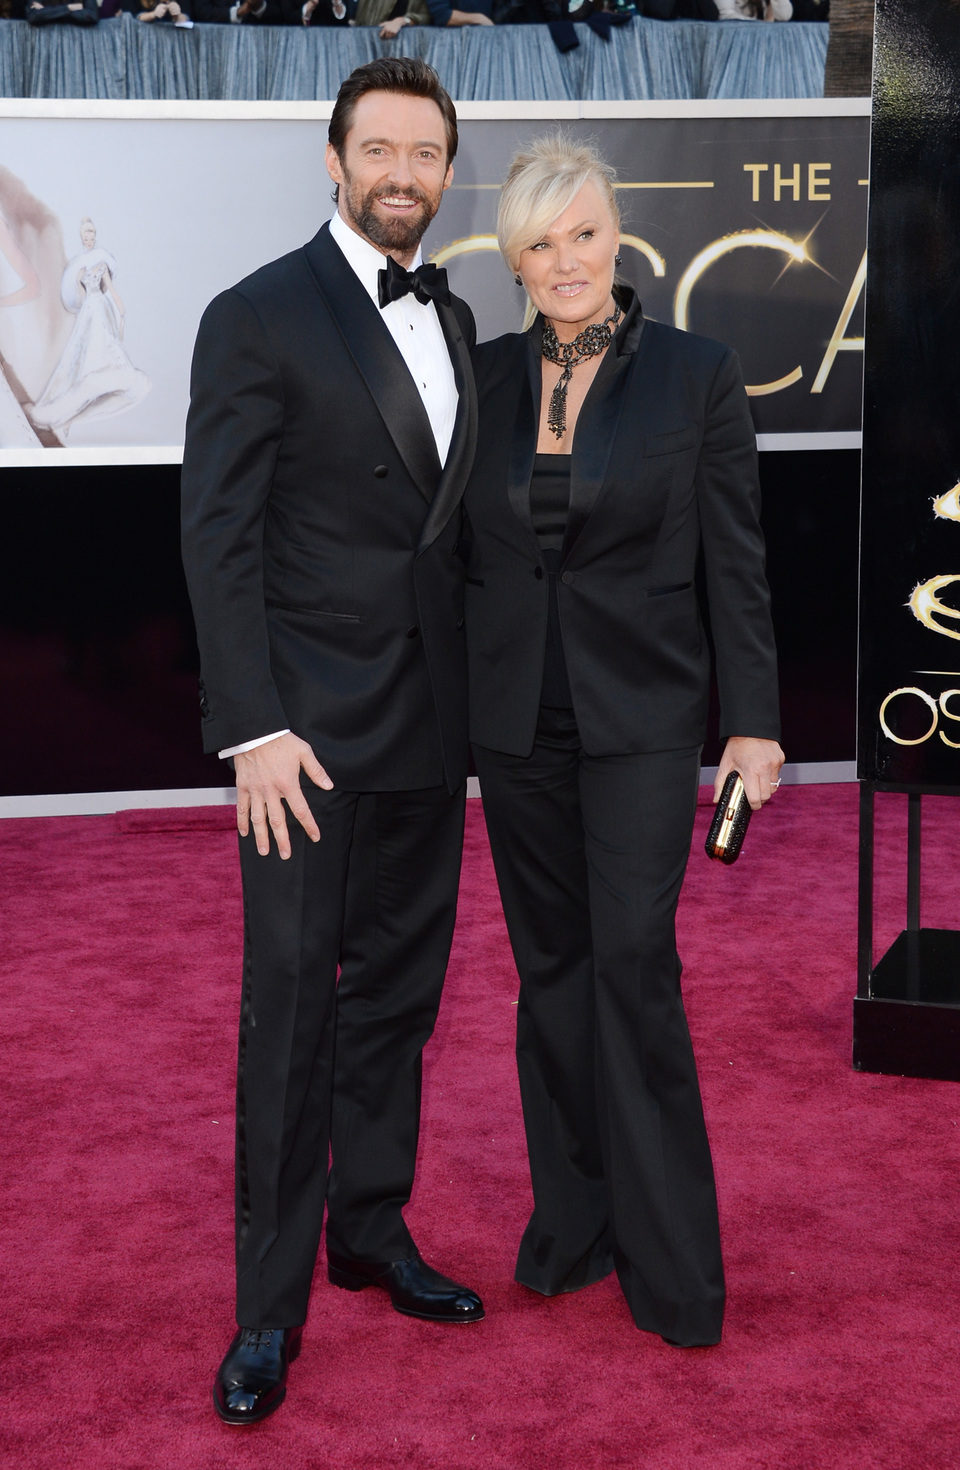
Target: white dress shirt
(416,330)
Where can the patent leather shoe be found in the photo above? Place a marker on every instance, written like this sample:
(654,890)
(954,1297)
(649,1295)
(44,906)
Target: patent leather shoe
(414,1287)
(252,1380)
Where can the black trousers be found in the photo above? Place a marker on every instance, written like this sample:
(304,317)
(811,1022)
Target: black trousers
(590,854)
(328,1068)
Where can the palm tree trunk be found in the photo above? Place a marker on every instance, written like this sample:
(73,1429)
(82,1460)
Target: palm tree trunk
(850,52)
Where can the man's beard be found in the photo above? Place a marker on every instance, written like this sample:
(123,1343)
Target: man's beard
(392,233)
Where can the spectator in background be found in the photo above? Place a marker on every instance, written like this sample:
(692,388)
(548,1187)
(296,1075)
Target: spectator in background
(677,9)
(391,15)
(77,12)
(11,10)
(468,13)
(317,12)
(811,9)
(754,9)
(176,12)
(237,12)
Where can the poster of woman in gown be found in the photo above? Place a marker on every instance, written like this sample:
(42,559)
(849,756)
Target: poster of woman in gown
(94,378)
(32,320)
(15,430)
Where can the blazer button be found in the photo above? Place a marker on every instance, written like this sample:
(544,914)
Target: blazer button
(380,471)
(413,632)
(566,578)
(459,622)
(538,573)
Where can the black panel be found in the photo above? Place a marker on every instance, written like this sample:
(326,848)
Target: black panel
(98,661)
(911,453)
(97,654)
(810,511)
(906,1040)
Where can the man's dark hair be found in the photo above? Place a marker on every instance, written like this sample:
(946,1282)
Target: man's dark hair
(402,74)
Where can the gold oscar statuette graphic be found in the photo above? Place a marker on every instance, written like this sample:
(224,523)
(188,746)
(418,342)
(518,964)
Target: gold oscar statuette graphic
(947,507)
(927,606)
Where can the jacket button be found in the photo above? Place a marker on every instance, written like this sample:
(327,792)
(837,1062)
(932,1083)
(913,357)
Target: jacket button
(538,573)
(459,622)
(566,578)
(413,632)
(455,548)
(380,471)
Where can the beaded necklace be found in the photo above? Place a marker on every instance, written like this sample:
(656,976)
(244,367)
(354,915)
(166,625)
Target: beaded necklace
(568,355)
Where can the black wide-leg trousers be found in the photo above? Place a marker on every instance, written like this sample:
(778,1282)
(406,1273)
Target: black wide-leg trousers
(334,1068)
(590,854)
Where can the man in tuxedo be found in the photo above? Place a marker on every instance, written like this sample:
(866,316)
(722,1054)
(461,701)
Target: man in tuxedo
(331,429)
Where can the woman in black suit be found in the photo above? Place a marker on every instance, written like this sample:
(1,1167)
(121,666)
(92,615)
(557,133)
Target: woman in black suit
(613,451)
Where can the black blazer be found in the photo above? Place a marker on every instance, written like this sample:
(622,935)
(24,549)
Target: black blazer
(663,463)
(320,534)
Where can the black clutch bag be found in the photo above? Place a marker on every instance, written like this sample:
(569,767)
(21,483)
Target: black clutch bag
(730,820)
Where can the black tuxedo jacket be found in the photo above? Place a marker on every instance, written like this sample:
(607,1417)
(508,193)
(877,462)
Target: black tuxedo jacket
(663,465)
(320,531)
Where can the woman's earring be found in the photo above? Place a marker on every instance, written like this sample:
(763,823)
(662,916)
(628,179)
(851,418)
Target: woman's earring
(618,260)
(518,280)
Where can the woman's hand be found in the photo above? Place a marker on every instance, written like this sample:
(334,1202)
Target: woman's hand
(759,763)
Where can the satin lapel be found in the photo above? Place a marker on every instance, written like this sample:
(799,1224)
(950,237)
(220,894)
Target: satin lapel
(463,445)
(378,359)
(596,430)
(523,446)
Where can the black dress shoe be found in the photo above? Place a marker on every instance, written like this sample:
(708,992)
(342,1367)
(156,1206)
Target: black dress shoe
(414,1287)
(252,1380)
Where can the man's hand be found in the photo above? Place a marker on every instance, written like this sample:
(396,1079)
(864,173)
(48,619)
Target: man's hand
(391,28)
(268,776)
(758,762)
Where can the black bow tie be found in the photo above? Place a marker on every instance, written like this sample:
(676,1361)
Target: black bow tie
(428,283)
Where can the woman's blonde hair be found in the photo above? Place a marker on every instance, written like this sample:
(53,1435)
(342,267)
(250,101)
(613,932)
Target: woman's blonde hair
(541,181)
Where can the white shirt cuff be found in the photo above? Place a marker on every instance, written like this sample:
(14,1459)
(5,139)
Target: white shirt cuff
(250,744)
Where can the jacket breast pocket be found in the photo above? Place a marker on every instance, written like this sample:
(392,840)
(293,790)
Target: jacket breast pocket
(315,612)
(677,441)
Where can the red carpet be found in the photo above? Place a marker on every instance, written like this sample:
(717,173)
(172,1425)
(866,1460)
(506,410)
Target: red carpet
(839,1192)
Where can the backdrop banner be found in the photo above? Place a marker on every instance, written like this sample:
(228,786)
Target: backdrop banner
(116,232)
(909,682)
